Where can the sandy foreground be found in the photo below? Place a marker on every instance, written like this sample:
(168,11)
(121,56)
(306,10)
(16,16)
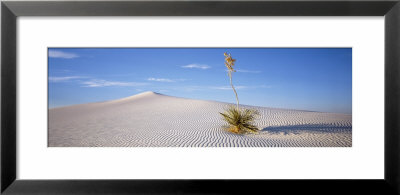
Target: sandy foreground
(155,120)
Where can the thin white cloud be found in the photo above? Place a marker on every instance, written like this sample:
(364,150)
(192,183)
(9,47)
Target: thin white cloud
(197,66)
(229,87)
(240,87)
(62,79)
(161,80)
(105,83)
(248,71)
(61,54)
(165,80)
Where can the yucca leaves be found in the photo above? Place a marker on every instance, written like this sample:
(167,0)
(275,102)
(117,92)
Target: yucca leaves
(240,121)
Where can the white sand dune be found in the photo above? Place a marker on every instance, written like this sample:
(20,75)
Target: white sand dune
(154,120)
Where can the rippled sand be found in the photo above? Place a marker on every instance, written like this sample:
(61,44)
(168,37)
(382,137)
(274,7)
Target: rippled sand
(154,120)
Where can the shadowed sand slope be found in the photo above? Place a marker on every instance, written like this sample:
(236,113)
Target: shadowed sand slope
(154,120)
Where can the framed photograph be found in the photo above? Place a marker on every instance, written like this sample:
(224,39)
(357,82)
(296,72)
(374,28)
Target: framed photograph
(202,97)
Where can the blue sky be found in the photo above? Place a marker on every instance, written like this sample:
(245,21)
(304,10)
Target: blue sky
(315,79)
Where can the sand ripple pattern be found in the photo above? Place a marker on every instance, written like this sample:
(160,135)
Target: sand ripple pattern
(154,120)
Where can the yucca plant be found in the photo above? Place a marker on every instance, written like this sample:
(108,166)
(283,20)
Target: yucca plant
(240,120)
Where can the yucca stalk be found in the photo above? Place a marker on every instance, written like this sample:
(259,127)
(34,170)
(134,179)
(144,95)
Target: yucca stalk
(237,99)
(229,63)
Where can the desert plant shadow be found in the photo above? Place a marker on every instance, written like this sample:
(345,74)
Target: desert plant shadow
(316,128)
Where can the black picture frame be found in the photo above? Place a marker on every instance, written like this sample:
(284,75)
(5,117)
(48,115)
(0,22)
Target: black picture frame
(11,10)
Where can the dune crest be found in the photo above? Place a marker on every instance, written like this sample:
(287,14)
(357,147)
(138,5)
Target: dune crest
(151,119)
(146,94)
